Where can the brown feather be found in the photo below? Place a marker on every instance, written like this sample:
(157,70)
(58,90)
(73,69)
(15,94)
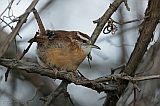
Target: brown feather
(61,50)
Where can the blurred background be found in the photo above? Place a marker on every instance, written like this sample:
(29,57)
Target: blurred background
(23,88)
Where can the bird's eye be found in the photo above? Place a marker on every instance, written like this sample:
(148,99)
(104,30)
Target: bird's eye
(84,41)
(49,33)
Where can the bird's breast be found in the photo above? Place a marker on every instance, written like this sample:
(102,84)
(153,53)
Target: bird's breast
(63,58)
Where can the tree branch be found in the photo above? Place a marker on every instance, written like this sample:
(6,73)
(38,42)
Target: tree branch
(31,67)
(39,22)
(96,84)
(146,31)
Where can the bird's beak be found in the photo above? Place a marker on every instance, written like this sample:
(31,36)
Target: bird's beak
(96,47)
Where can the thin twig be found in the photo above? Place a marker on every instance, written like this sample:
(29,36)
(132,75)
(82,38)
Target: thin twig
(104,19)
(7,24)
(39,22)
(26,50)
(9,6)
(134,90)
(131,21)
(119,67)
(126,4)
(7,73)
(14,32)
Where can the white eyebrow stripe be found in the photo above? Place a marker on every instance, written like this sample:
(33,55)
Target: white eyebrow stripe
(82,37)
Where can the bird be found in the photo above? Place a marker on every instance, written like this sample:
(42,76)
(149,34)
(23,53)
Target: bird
(64,50)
